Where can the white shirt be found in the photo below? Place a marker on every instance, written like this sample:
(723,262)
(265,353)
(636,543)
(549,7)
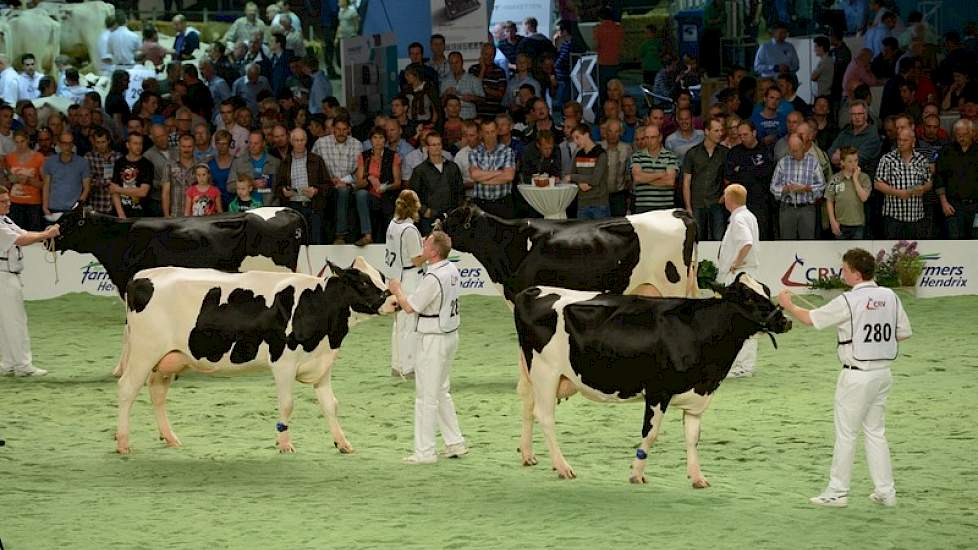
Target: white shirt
(296,24)
(122,45)
(741,231)
(9,232)
(836,313)
(462,160)
(7,143)
(9,83)
(28,86)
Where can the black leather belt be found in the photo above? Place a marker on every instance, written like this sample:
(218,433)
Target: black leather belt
(850,367)
(791,205)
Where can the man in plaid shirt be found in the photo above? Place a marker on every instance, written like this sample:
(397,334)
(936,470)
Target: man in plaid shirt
(797,183)
(903,177)
(341,153)
(492,166)
(101,161)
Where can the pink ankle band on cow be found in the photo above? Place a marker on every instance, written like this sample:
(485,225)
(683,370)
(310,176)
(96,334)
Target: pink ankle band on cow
(640,454)
(281,427)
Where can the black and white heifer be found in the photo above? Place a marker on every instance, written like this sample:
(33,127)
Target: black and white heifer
(212,321)
(615,348)
(264,238)
(653,254)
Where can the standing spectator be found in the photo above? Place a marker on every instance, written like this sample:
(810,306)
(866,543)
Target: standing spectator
(250,86)
(788,84)
(422,99)
(824,122)
(619,178)
(492,166)
(465,85)
(535,44)
(751,164)
(686,137)
(203,199)
(861,135)
(703,181)
(178,178)
(116,105)
(542,120)
(218,89)
(29,83)
(824,72)
(654,172)
(220,165)
(569,46)
(903,177)
(470,140)
(540,157)
(510,42)
(280,146)
(714,18)
(438,182)
(187,39)
(841,57)
(160,155)
(341,154)
(203,150)
(259,164)
(67,178)
(428,74)
(792,121)
(777,56)
(9,81)
(451,126)
(348,23)
(246,198)
(101,163)
(294,43)
(520,78)
(650,51)
(590,174)
(493,82)
(277,65)
(321,87)
(439,62)
(239,134)
(858,73)
(132,180)
(797,183)
(956,182)
(302,183)
(608,40)
(771,125)
(24,171)
(414,158)
(845,195)
(123,43)
(244,27)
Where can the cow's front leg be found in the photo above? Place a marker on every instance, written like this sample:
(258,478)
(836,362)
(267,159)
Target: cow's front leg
(159,383)
(284,375)
(329,405)
(691,427)
(655,409)
(525,391)
(545,401)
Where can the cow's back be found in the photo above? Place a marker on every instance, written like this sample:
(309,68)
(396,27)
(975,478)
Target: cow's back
(667,240)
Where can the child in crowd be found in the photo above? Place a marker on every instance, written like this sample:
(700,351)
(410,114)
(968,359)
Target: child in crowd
(247,198)
(203,199)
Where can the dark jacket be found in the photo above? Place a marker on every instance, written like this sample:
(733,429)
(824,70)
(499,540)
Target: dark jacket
(318,177)
(386,164)
(534,163)
(277,72)
(439,191)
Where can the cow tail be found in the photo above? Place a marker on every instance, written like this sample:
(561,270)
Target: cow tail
(309,262)
(692,285)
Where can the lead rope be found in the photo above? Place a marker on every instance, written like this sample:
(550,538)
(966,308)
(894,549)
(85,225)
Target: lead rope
(51,250)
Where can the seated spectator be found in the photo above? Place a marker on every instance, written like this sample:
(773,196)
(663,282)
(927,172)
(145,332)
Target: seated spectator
(342,155)
(962,88)
(462,84)
(422,98)
(378,177)
(302,183)
(203,199)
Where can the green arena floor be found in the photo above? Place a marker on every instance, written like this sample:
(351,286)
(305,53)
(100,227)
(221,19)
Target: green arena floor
(766,448)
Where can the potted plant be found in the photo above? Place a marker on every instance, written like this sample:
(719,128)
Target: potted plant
(828,287)
(901,267)
(706,277)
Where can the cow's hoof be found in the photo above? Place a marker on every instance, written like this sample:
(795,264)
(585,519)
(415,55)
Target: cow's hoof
(124,451)
(287,448)
(637,480)
(344,448)
(701,483)
(566,472)
(530,460)
(173,443)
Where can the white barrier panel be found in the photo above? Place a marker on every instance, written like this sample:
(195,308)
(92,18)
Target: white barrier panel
(784,264)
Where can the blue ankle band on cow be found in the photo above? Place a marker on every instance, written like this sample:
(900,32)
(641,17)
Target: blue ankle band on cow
(640,454)
(281,427)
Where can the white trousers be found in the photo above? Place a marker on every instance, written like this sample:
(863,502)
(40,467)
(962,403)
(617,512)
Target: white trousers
(860,404)
(747,356)
(404,338)
(433,405)
(14,339)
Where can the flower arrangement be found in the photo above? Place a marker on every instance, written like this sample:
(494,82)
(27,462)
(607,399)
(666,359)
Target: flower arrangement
(706,274)
(901,267)
(832,282)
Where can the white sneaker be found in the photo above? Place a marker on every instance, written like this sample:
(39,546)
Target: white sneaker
(883,501)
(6,371)
(457,450)
(415,459)
(32,371)
(830,501)
(740,372)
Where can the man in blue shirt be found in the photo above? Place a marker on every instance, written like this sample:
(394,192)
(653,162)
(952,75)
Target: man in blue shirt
(776,56)
(771,125)
(67,178)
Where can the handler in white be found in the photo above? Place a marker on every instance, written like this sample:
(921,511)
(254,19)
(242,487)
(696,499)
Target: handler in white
(738,254)
(15,342)
(436,302)
(402,261)
(870,321)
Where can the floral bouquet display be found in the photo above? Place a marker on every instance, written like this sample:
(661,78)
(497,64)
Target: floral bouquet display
(901,267)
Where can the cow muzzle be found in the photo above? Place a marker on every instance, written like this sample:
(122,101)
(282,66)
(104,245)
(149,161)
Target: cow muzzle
(388,305)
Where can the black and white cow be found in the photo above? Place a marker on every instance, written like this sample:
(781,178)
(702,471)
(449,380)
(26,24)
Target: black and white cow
(651,254)
(211,321)
(265,238)
(615,348)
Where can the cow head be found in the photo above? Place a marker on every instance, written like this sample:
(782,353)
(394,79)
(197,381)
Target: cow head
(73,235)
(363,288)
(755,298)
(461,225)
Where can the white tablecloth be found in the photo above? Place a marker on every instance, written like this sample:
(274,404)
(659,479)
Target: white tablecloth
(551,201)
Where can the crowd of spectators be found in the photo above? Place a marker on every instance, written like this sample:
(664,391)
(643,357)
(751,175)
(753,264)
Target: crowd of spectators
(256,123)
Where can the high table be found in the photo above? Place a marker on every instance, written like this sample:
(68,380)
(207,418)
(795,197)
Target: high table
(551,201)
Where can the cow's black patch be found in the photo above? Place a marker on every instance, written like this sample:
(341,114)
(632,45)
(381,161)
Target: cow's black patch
(244,322)
(692,236)
(536,322)
(672,274)
(320,313)
(138,294)
(220,242)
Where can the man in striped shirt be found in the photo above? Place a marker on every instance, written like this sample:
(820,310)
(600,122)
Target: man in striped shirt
(797,183)
(654,174)
(493,82)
